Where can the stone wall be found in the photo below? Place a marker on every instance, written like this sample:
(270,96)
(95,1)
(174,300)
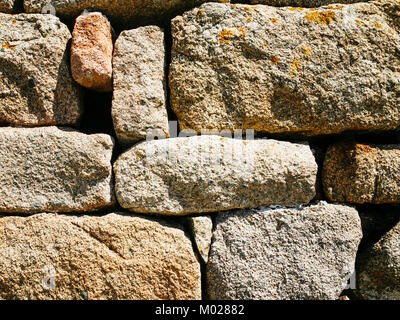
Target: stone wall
(199,150)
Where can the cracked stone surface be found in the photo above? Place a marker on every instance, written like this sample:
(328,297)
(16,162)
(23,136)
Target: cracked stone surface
(56,170)
(120,11)
(283,253)
(139,100)
(378,269)
(359,173)
(287,70)
(36,86)
(91,52)
(210,173)
(201,228)
(116,256)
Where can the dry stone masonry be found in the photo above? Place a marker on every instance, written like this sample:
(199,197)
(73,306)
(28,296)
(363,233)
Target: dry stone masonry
(56,170)
(116,256)
(91,52)
(210,173)
(139,100)
(7,6)
(280,70)
(360,173)
(200,149)
(36,87)
(378,269)
(266,253)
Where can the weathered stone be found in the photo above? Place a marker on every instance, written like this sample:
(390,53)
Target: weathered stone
(91,52)
(376,220)
(139,101)
(209,173)
(116,256)
(7,6)
(201,228)
(283,253)
(130,12)
(57,170)
(36,87)
(302,3)
(285,70)
(378,269)
(360,173)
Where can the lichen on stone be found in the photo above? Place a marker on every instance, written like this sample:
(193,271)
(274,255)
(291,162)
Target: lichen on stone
(322,17)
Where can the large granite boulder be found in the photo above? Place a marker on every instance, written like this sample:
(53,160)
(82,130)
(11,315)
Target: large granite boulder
(286,70)
(111,257)
(58,170)
(210,173)
(36,86)
(305,253)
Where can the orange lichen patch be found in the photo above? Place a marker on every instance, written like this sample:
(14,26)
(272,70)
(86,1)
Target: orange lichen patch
(274,60)
(242,32)
(233,6)
(8,46)
(296,8)
(248,9)
(322,17)
(364,148)
(225,36)
(200,13)
(139,155)
(222,138)
(249,19)
(274,20)
(265,44)
(378,25)
(360,22)
(295,64)
(245,143)
(312,9)
(14,21)
(306,50)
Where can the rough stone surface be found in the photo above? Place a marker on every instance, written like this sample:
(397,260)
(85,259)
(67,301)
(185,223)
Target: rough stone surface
(283,253)
(91,52)
(201,228)
(51,169)
(359,173)
(285,70)
(378,269)
(301,3)
(116,256)
(376,220)
(210,173)
(7,6)
(131,12)
(36,87)
(139,100)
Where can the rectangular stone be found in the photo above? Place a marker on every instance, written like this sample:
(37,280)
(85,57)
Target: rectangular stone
(359,173)
(54,170)
(112,257)
(287,70)
(139,99)
(36,86)
(210,173)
